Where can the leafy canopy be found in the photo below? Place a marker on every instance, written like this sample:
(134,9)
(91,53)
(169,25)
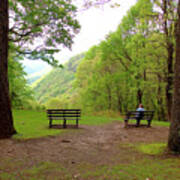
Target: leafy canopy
(38,28)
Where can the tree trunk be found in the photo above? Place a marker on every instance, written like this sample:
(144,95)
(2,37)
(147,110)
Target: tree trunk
(169,85)
(119,99)
(6,120)
(174,133)
(109,96)
(139,96)
(170,51)
(161,111)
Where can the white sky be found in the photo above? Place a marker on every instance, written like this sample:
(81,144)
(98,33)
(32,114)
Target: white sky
(95,23)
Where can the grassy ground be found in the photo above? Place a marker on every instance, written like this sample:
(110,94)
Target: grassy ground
(33,124)
(140,161)
(145,169)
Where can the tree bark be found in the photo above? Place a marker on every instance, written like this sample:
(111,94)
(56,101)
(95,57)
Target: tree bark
(169,86)
(139,96)
(160,111)
(109,96)
(174,133)
(119,99)
(169,34)
(6,120)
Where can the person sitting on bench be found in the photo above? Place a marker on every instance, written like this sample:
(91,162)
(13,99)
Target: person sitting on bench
(140,114)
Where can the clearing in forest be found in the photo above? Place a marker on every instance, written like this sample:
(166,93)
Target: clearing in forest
(107,152)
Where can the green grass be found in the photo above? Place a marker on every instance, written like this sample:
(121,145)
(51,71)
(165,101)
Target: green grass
(160,123)
(40,171)
(152,149)
(140,170)
(146,168)
(153,123)
(33,124)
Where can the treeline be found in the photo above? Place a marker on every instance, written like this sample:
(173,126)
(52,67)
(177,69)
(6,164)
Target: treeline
(134,64)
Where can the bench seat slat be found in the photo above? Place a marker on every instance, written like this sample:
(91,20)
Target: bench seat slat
(57,113)
(63,110)
(56,118)
(64,116)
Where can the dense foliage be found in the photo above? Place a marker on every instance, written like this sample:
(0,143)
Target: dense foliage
(40,29)
(36,31)
(131,66)
(21,94)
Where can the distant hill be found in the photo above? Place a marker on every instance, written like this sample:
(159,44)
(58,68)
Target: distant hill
(58,81)
(35,69)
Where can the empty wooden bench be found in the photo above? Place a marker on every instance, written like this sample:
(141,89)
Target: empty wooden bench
(138,116)
(64,115)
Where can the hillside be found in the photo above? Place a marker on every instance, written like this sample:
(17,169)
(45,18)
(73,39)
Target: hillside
(35,69)
(58,81)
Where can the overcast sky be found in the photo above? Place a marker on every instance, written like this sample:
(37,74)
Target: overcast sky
(95,23)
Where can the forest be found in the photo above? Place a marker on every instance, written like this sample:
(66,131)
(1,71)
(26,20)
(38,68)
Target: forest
(133,65)
(138,63)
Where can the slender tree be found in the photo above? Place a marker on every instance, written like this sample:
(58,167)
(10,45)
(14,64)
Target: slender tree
(6,121)
(174,133)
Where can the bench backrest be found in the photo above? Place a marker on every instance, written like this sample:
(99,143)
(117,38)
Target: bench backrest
(68,114)
(144,115)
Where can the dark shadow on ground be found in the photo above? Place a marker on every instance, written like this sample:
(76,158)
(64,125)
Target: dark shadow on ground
(69,126)
(135,126)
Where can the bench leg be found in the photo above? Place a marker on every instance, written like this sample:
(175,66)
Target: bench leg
(50,123)
(64,123)
(125,123)
(149,123)
(76,123)
(137,122)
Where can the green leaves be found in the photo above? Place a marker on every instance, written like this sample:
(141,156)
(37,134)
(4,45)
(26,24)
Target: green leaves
(40,25)
(129,61)
(20,92)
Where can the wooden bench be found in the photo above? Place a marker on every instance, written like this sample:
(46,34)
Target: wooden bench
(138,116)
(64,115)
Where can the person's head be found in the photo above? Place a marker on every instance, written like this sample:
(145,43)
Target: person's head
(140,106)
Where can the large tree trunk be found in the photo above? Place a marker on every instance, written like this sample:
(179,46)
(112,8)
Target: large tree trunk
(139,96)
(169,34)
(6,120)
(161,115)
(169,86)
(174,133)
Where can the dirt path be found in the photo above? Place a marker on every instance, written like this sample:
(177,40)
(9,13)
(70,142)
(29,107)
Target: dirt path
(93,144)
